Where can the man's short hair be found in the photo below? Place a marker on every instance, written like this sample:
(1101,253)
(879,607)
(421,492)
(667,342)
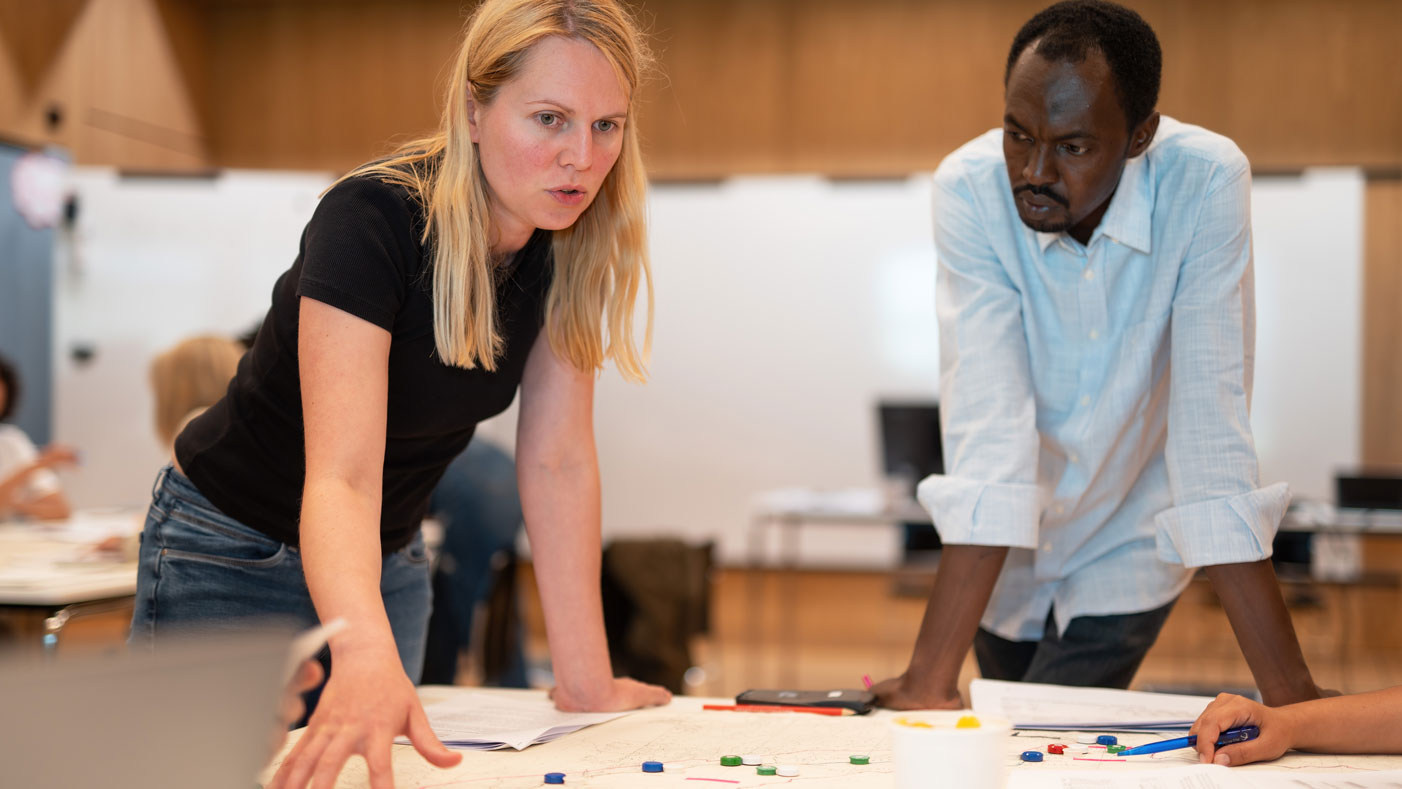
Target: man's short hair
(1070,30)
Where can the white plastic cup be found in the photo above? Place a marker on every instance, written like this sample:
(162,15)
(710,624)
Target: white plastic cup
(930,753)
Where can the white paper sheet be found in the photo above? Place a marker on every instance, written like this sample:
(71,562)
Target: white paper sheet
(1201,776)
(1032,706)
(1289,779)
(485,721)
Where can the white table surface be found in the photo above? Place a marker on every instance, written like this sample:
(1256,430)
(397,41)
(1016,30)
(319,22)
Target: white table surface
(690,742)
(55,565)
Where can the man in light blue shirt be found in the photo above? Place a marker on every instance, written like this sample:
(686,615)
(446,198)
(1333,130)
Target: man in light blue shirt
(1097,339)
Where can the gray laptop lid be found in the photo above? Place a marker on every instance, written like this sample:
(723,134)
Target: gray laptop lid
(198,712)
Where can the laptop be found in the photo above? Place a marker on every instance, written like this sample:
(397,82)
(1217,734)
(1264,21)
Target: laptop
(198,712)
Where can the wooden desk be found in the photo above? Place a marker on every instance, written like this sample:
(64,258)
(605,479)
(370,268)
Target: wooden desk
(691,741)
(49,577)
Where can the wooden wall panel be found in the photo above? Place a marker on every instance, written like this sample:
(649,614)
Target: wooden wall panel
(326,85)
(891,86)
(112,70)
(1382,327)
(720,95)
(871,88)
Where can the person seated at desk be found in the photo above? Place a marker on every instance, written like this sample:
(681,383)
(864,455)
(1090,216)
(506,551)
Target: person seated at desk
(1360,723)
(1097,325)
(28,486)
(504,252)
(189,377)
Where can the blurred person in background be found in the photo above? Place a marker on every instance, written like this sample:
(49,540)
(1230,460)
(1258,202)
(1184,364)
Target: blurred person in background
(29,488)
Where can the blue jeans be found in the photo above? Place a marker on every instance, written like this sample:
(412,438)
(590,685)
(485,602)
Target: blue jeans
(202,571)
(480,508)
(1095,651)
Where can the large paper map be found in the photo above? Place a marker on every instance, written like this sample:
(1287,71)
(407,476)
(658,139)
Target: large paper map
(690,742)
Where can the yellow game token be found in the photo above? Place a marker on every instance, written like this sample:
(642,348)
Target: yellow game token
(967,722)
(913,724)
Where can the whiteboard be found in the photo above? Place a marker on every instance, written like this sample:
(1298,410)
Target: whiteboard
(786,307)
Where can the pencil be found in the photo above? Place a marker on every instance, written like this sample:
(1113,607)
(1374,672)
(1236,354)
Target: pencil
(777,708)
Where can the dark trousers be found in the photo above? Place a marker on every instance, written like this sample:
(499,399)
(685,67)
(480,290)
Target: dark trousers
(1095,651)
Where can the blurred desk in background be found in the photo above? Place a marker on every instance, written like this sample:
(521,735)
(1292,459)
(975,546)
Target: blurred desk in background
(790,511)
(52,574)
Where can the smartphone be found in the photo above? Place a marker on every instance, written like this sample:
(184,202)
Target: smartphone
(859,701)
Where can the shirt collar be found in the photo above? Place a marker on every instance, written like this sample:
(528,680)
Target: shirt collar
(1128,220)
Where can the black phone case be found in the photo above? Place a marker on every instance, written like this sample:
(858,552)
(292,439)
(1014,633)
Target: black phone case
(859,701)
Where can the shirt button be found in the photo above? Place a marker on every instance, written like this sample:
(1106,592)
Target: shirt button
(1094,335)
(1060,510)
(1046,547)
(1089,275)
(1085,400)
(1074,458)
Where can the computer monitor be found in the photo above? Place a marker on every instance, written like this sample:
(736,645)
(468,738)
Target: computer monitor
(911,448)
(1368,491)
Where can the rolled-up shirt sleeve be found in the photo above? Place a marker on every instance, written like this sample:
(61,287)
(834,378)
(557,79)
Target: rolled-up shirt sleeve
(1220,514)
(989,493)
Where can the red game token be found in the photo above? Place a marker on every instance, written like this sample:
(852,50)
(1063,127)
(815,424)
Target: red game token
(1055,748)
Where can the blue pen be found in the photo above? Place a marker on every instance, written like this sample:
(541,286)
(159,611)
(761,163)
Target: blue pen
(1228,737)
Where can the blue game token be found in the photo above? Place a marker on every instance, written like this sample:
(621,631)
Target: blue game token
(1032,756)
(554,778)
(1107,739)
(652,767)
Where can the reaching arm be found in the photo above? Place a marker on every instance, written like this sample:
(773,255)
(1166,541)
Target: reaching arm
(963,585)
(1362,723)
(50,505)
(369,700)
(558,474)
(988,500)
(1221,518)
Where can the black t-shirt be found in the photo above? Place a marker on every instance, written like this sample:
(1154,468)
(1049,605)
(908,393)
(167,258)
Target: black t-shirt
(361,253)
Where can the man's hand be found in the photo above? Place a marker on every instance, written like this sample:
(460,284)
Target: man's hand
(895,694)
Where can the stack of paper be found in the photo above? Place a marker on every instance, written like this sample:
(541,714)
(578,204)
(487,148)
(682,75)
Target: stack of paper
(1060,708)
(485,721)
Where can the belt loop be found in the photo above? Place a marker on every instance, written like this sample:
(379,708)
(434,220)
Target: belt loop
(160,481)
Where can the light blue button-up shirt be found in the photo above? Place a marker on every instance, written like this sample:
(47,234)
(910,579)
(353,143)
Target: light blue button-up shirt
(1094,398)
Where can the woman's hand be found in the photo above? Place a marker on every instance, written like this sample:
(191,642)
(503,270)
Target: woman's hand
(621,693)
(366,704)
(1228,711)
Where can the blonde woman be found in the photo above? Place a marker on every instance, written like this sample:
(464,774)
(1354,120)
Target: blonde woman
(189,377)
(505,251)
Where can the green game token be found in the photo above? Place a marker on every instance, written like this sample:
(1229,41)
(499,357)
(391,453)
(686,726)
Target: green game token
(767,769)
(861,759)
(731,761)
(1115,748)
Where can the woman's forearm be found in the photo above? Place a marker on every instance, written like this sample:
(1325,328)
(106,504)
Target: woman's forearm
(340,543)
(1361,723)
(561,504)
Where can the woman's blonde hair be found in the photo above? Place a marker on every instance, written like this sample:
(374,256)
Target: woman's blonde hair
(601,261)
(192,375)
